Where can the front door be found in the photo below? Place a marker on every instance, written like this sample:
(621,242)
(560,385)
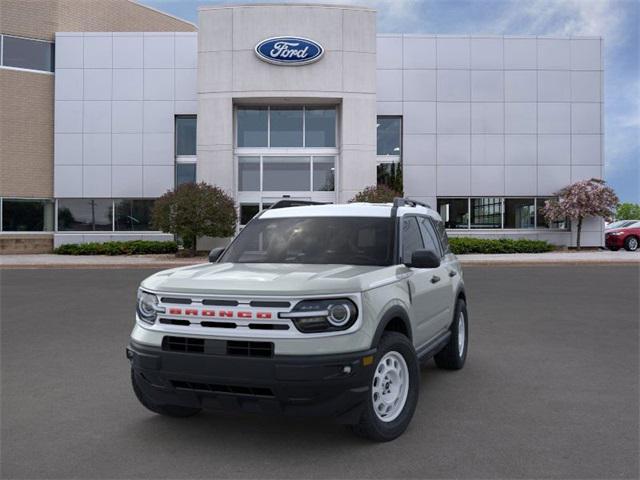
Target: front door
(429,287)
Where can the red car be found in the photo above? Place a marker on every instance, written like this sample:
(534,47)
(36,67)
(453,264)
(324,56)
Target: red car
(627,237)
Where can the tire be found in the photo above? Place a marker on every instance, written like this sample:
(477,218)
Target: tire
(395,359)
(631,243)
(454,354)
(167,410)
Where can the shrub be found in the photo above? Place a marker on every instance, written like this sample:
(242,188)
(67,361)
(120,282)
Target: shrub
(376,194)
(460,245)
(134,247)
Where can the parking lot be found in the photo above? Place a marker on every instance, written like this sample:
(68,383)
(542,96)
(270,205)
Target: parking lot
(550,390)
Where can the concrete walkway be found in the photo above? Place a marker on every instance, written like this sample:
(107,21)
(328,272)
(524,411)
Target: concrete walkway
(169,261)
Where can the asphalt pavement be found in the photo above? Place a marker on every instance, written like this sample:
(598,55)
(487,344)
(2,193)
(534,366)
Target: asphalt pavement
(550,390)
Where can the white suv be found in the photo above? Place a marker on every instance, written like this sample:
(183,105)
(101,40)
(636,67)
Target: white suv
(316,310)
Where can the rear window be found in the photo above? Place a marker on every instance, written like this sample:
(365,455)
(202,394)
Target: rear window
(318,240)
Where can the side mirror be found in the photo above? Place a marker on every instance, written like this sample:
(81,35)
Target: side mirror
(214,254)
(424,259)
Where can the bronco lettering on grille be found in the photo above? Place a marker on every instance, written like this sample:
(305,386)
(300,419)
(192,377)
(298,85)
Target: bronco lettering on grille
(242,314)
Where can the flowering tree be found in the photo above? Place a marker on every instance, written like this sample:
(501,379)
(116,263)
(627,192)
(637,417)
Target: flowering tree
(195,210)
(376,194)
(586,198)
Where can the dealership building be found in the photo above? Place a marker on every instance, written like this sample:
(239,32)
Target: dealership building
(106,109)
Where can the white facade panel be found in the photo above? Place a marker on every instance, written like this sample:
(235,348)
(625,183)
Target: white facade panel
(127,51)
(99,135)
(453,52)
(98,51)
(419,52)
(487,53)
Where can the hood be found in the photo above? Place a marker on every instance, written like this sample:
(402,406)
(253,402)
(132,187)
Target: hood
(268,279)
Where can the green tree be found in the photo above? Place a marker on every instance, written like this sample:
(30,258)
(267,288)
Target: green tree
(628,211)
(195,210)
(376,194)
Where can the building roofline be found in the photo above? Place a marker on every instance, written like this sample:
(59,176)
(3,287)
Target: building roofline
(136,2)
(287,4)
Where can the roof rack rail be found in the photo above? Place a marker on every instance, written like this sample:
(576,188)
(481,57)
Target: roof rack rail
(287,202)
(403,202)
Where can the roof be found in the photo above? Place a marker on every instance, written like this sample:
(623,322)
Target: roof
(382,210)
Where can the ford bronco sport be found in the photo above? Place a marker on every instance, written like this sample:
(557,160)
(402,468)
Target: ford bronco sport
(319,309)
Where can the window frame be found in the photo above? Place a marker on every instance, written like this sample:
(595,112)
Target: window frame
(22,69)
(51,201)
(402,261)
(268,108)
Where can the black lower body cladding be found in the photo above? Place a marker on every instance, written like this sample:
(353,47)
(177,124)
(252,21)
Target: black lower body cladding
(314,385)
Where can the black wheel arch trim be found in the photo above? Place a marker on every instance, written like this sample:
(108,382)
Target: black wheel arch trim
(396,311)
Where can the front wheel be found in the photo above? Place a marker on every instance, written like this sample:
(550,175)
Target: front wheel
(631,244)
(454,354)
(394,389)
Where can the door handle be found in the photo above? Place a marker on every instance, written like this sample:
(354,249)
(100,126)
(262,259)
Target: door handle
(435,279)
(452,273)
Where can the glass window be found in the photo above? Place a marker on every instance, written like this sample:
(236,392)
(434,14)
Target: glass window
(84,215)
(454,212)
(286,174)
(186,135)
(519,213)
(320,127)
(133,215)
(324,174)
(486,212)
(248,211)
(185,173)
(23,215)
(286,127)
(411,238)
(321,240)
(389,130)
(252,127)
(444,240)
(429,236)
(542,222)
(390,174)
(25,53)
(249,174)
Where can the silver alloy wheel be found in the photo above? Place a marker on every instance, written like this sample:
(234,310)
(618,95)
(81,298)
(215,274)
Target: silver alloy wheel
(633,243)
(390,386)
(461,334)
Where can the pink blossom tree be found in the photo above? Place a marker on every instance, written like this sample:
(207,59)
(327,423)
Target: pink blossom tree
(586,198)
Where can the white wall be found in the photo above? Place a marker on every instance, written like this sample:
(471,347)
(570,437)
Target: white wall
(230,71)
(503,116)
(116,95)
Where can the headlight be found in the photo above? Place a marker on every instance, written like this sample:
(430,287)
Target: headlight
(616,233)
(330,315)
(147,306)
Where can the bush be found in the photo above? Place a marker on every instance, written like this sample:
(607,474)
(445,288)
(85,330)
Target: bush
(376,194)
(134,247)
(460,245)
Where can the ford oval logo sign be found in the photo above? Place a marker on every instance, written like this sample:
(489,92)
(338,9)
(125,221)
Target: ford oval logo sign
(289,50)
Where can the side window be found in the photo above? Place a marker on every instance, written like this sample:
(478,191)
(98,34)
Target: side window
(411,238)
(430,237)
(444,240)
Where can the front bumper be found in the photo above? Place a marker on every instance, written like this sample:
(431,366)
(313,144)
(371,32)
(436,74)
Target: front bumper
(614,240)
(315,385)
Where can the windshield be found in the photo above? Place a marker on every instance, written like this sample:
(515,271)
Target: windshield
(620,224)
(324,240)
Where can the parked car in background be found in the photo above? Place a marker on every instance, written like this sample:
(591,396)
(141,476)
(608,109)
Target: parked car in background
(627,237)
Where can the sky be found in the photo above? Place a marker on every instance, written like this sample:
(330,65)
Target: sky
(617,21)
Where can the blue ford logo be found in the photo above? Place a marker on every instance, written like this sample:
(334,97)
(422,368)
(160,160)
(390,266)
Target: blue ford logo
(289,50)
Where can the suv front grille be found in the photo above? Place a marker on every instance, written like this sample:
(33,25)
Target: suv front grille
(250,349)
(183,344)
(218,347)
